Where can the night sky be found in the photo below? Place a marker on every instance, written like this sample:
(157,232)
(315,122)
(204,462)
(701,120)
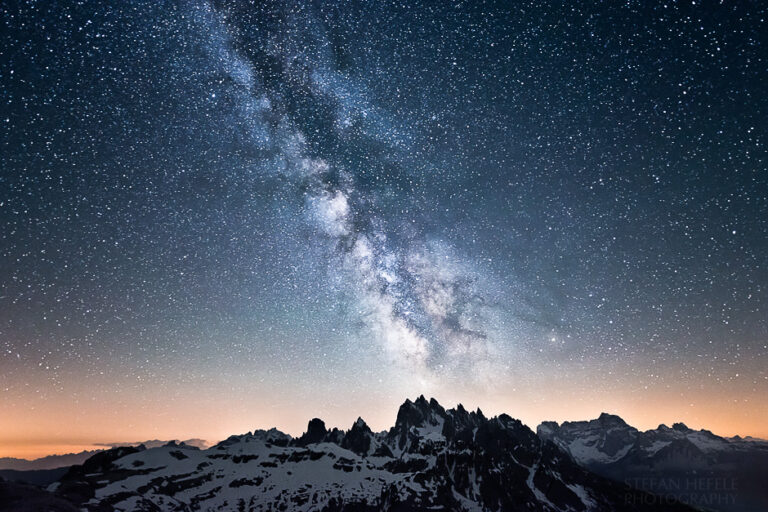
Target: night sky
(222,216)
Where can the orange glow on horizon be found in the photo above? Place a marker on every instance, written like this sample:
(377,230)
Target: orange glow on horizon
(37,432)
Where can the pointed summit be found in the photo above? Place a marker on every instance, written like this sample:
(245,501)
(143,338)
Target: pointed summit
(359,438)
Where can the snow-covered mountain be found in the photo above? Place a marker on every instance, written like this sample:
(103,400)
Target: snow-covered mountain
(154,443)
(695,466)
(432,459)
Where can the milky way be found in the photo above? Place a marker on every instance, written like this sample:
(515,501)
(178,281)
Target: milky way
(334,200)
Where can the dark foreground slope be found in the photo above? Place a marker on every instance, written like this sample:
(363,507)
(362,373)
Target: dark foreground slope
(22,497)
(38,477)
(432,459)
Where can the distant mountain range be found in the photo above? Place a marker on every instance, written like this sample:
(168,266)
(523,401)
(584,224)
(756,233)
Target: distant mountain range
(694,466)
(431,459)
(155,443)
(70,459)
(48,462)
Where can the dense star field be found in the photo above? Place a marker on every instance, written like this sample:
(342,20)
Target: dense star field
(222,216)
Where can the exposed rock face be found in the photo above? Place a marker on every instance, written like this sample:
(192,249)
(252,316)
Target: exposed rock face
(697,467)
(359,439)
(315,433)
(432,459)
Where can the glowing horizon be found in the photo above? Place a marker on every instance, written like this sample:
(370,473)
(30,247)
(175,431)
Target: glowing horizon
(645,415)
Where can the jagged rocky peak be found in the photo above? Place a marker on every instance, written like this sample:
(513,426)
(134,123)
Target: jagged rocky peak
(359,438)
(681,427)
(458,420)
(360,425)
(316,433)
(422,413)
(421,424)
(419,413)
(334,436)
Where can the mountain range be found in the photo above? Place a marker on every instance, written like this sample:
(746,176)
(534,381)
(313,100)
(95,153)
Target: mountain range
(70,459)
(47,462)
(694,466)
(431,459)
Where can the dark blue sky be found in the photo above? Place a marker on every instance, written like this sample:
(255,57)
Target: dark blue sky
(466,198)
